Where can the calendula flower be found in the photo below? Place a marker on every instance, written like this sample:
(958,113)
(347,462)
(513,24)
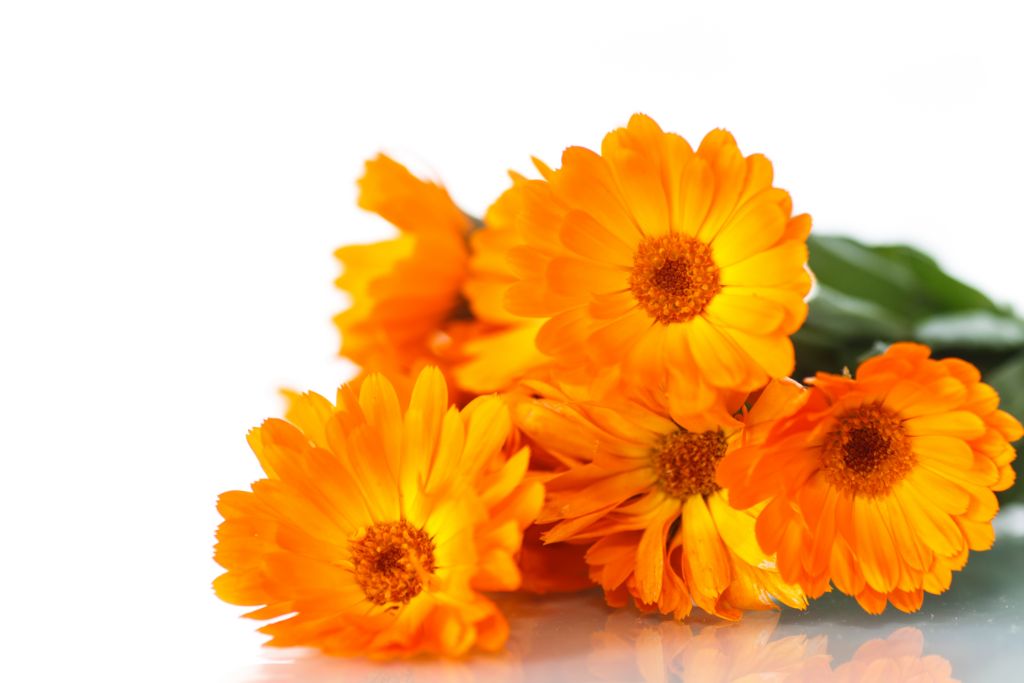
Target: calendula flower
(685,269)
(881,483)
(375,530)
(404,291)
(643,495)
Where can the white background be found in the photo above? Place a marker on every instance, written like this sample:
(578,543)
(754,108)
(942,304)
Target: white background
(174,177)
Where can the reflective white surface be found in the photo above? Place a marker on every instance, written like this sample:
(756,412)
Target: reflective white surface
(974,632)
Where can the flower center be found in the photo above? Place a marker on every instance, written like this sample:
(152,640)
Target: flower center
(686,462)
(868,453)
(673,277)
(391,560)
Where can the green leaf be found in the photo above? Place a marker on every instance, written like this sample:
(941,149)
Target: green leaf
(881,294)
(898,278)
(834,313)
(940,291)
(858,271)
(965,330)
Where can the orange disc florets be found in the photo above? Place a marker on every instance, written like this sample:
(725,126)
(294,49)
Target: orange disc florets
(391,560)
(686,462)
(674,277)
(868,452)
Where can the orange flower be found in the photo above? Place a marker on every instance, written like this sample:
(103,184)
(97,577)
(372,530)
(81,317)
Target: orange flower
(433,295)
(375,531)
(683,269)
(881,483)
(403,291)
(643,494)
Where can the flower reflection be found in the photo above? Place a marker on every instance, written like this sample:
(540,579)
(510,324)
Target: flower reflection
(567,639)
(314,667)
(900,657)
(713,652)
(548,635)
(718,652)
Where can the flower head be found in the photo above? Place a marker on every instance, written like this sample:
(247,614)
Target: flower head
(405,291)
(374,530)
(881,483)
(683,269)
(642,494)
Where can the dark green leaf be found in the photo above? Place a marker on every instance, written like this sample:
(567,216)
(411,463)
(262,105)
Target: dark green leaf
(938,290)
(868,294)
(899,278)
(856,270)
(836,314)
(965,330)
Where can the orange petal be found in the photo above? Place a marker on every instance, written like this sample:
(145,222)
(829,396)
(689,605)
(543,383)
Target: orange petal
(776,266)
(650,556)
(631,154)
(705,562)
(589,239)
(695,194)
(752,312)
(958,423)
(585,182)
(756,226)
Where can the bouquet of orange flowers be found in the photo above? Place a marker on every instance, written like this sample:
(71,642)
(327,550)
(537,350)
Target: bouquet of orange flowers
(591,385)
